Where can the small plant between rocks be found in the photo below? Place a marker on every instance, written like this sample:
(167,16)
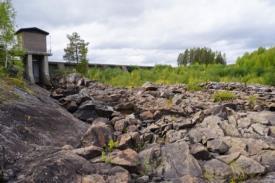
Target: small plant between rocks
(111,146)
(221,96)
(252,100)
(193,87)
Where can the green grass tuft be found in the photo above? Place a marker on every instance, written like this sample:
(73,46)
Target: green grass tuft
(220,96)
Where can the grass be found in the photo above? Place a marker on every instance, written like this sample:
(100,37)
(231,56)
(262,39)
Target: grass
(6,93)
(105,157)
(169,103)
(220,96)
(257,67)
(146,167)
(252,100)
(193,87)
(189,75)
(238,173)
(19,83)
(8,83)
(208,176)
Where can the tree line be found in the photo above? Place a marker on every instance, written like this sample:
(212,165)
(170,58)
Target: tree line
(201,56)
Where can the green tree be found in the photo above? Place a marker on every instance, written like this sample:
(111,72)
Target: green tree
(201,56)
(76,50)
(7,38)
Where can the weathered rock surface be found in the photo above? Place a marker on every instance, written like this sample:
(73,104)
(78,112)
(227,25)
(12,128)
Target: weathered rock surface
(155,133)
(176,161)
(99,134)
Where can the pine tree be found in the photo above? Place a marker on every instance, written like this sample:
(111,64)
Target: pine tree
(76,50)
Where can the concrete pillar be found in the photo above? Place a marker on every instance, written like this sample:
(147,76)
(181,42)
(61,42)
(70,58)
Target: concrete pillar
(29,69)
(45,71)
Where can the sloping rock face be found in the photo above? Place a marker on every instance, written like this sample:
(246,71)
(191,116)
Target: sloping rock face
(156,133)
(41,142)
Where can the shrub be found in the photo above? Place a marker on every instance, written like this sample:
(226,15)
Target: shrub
(83,67)
(220,96)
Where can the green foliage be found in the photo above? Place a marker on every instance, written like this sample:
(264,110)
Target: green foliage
(192,75)
(252,100)
(57,73)
(10,50)
(232,180)
(7,17)
(220,96)
(77,49)
(109,148)
(3,72)
(82,67)
(105,157)
(112,145)
(19,83)
(201,56)
(194,87)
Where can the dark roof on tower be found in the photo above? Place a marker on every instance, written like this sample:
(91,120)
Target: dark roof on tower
(32,29)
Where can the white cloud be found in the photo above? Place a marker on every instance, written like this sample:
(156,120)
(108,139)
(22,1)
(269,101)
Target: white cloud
(153,31)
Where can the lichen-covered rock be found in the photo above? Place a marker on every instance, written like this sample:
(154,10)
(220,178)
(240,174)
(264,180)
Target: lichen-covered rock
(217,146)
(216,170)
(127,158)
(176,161)
(88,152)
(99,134)
(245,166)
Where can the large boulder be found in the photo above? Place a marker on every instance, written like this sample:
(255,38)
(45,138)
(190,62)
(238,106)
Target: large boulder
(149,159)
(217,171)
(217,146)
(267,158)
(247,167)
(131,139)
(53,166)
(176,161)
(127,158)
(99,134)
(200,152)
(91,110)
(88,152)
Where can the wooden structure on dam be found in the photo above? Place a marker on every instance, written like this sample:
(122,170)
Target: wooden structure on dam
(34,42)
(38,67)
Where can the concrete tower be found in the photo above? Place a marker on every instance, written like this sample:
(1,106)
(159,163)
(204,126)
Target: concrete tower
(34,42)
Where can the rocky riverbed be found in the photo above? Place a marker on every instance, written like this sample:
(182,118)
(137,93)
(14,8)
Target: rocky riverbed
(155,133)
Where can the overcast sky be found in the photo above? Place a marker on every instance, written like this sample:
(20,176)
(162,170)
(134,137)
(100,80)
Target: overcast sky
(148,32)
